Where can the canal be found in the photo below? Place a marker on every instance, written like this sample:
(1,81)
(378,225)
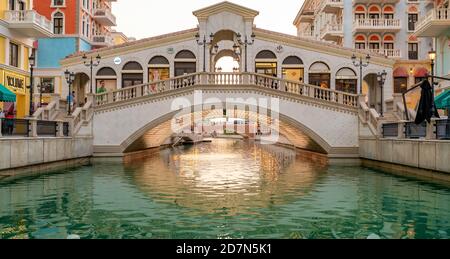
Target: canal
(224,189)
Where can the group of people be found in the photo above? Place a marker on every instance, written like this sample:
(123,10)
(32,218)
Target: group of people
(7,124)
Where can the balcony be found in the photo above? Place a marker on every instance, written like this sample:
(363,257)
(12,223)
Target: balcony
(436,22)
(105,17)
(332,32)
(331,6)
(29,23)
(101,41)
(376,25)
(389,53)
(378,2)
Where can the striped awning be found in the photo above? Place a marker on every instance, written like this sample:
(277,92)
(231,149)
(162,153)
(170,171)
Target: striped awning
(6,95)
(443,100)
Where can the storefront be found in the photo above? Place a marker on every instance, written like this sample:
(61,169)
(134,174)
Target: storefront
(17,84)
(185,63)
(346,80)
(293,69)
(320,75)
(266,63)
(158,69)
(106,80)
(132,74)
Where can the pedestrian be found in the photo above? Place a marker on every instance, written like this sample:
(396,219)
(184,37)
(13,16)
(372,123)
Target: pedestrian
(9,124)
(2,114)
(70,101)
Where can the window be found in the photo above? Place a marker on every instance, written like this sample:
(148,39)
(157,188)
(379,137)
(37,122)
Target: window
(58,3)
(388,16)
(13,55)
(388,45)
(47,85)
(58,23)
(360,45)
(413,51)
(400,85)
(412,20)
(359,16)
(374,16)
(12,4)
(374,45)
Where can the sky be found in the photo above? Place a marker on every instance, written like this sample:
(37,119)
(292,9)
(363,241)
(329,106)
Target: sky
(146,18)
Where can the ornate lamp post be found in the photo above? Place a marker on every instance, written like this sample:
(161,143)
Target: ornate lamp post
(70,77)
(381,77)
(205,43)
(432,56)
(32,62)
(361,64)
(91,64)
(246,43)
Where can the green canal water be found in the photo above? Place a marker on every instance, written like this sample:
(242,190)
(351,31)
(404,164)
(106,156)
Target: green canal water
(225,189)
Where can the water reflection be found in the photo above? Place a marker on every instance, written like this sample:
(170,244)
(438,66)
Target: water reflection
(229,176)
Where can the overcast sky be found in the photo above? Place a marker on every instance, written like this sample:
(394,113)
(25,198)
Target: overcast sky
(145,18)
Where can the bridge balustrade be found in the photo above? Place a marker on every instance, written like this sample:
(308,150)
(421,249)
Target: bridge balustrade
(228,79)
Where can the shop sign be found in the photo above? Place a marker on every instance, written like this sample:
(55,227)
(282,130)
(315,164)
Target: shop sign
(15,82)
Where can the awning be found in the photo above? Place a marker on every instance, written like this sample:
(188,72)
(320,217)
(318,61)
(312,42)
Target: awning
(421,72)
(6,95)
(443,100)
(401,72)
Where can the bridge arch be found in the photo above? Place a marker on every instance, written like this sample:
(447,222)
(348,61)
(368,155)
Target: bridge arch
(157,131)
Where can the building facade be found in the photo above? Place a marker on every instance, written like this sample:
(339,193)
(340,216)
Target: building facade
(20,25)
(384,27)
(78,26)
(436,24)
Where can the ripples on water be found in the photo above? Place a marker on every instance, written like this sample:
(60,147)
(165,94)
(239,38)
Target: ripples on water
(227,189)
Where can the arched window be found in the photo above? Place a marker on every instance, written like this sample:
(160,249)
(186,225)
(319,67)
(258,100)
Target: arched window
(388,42)
(360,42)
(266,63)
(413,17)
(106,80)
(346,80)
(360,12)
(388,12)
(293,69)
(158,69)
(320,75)
(185,63)
(58,23)
(132,74)
(374,12)
(374,42)
(400,80)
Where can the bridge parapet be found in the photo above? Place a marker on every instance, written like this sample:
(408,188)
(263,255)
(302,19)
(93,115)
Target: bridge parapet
(228,79)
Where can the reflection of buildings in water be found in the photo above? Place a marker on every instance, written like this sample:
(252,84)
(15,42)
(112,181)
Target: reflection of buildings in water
(226,176)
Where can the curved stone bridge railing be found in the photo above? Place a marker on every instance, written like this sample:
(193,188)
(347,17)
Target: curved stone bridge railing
(228,79)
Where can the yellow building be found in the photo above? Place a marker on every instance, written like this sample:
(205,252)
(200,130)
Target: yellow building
(19,26)
(119,38)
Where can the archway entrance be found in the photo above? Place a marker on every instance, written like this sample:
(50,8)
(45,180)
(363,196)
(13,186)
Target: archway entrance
(225,52)
(372,91)
(80,88)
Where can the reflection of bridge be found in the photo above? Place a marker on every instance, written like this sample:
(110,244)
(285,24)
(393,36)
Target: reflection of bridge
(310,117)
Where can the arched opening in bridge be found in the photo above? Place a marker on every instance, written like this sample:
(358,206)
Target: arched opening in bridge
(346,80)
(185,63)
(293,69)
(236,121)
(106,80)
(320,75)
(372,90)
(81,87)
(266,63)
(225,52)
(132,74)
(226,61)
(158,69)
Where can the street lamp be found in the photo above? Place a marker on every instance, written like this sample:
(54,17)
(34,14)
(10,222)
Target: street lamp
(206,43)
(361,65)
(32,62)
(432,56)
(246,43)
(381,77)
(91,63)
(70,77)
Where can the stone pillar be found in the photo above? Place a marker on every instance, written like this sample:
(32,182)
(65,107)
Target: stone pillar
(56,98)
(90,98)
(246,78)
(430,130)
(203,78)
(33,128)
(401,130)
(60,126)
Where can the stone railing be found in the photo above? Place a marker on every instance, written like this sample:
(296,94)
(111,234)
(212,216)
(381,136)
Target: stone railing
(376,24)
(368,116)
(390,53)
(29,16)
(334,3)
(105,12)
(228,79)
(106,40)
(81,116)
(50,112)
(331,28)
(32,128)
